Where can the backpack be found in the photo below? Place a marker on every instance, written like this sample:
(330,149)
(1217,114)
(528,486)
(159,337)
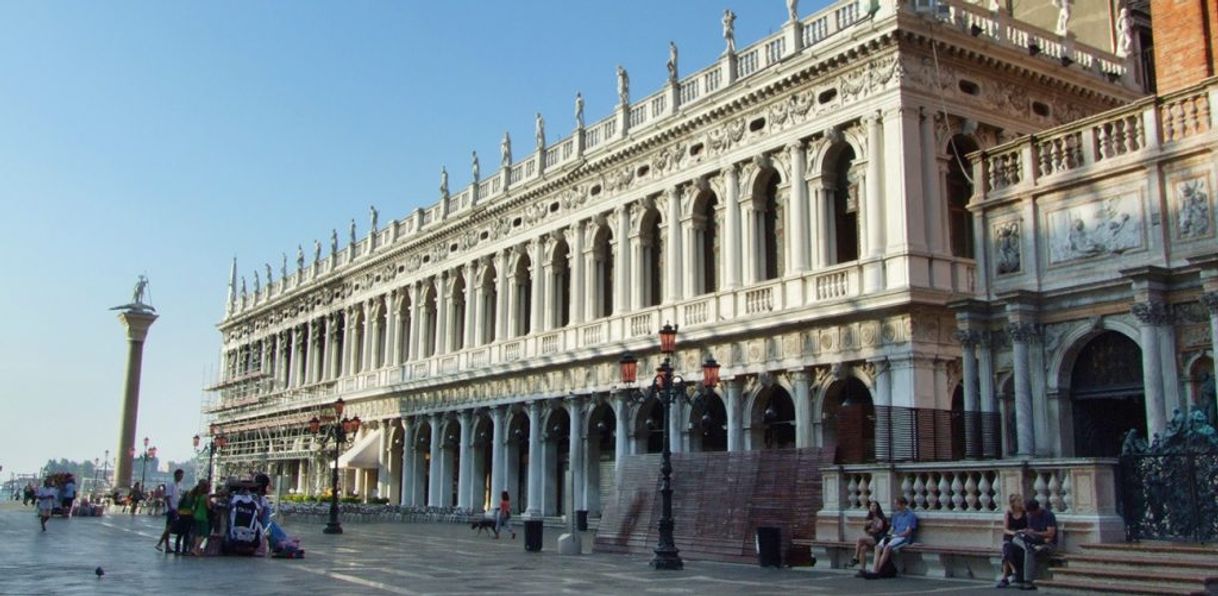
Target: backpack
(244,527)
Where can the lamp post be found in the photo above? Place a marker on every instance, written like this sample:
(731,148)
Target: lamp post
(149,453)
(96,462)
(334,428)
(106,467)
(216,440)
(668,387)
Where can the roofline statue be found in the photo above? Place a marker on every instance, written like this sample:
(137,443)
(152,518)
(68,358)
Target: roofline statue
(137,303)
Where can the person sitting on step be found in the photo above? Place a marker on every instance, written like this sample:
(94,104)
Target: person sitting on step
(904,524)
(1039,539)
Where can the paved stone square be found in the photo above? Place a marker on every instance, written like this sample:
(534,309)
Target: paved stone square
(379,558)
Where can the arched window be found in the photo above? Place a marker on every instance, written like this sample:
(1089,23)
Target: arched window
(845,190)
(490,305)
(602,252)
(653,258)
(561,286)
(457,301)
(774,421)
(524,296)
(849,416)
(771,229)
(706,243)
(959,191)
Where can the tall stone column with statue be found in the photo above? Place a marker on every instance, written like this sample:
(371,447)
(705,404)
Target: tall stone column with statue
(137,316)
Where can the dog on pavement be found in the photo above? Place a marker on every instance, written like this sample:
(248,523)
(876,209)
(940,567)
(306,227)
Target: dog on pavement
(483,525)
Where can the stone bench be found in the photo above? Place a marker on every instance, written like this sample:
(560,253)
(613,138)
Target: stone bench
(920,558)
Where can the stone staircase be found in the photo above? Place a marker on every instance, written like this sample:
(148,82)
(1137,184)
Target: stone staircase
(1142,568)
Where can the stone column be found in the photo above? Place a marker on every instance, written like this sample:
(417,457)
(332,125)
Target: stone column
(621,438)
(575,450)
(498,465)
(289,358)
(991,431)
(537,295)
(471,304)
(936,223)
(137,323)
(972,398)
(396,330)
(504,289)
(548,298)
(513,305)
(621,248)
(1021,334)
(803,408)
(478,309)
(882,372)
(731,241)
(441,345)
(874,195)
(416,316)
(367,339)
(1153,314)
(409,441)
(797,219)
(436,484)
(1210,300)
(575,262)
(640,281)
(536,464)
(735,435)
(465,472)
(674,262)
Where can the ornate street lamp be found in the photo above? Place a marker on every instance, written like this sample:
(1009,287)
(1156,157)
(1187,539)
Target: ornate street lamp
(335,430)
(668,387)
(149,453)
(217,441)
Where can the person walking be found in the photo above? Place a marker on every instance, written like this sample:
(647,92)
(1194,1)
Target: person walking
(46,497)
(503,515)
(67,495)
(171,497)
(202,511)
(137,495)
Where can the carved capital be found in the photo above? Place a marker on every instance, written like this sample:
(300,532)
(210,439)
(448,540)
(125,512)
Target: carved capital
(1022,332)
(1210,301)
(1152,312)
(967,337)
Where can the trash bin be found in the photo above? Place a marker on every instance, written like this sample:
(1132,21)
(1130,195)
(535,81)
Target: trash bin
(581,521)
(532,535)
(769,547)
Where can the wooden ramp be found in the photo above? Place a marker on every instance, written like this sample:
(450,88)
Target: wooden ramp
(719,500)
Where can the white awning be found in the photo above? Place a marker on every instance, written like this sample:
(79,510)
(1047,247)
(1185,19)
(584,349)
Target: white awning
(364,453)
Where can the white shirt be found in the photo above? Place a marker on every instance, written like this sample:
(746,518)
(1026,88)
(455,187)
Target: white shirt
(173,493)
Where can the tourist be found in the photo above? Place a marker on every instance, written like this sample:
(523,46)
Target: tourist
(874,529)
(904,524)
(171,495)
(67,495)
(30,495)
(1016,519)
(1039,539)
(184,526)
(46,497)
(201,503)
(137,495)
(503,515)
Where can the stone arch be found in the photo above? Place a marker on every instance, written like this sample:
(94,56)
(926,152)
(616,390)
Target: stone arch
(1199,384)
(1061,361)
(601,454)
(770,420)
(482,494)
(604,275)
(841,172)
(1105,391)
(652,244)
(450,464)
(458,306)
(422,460)
(489,297)
(556,459)
(523,289)
(957,192)
(705,227)
(648,426)
(430,311)
(848,416)
(708,423)
(516,458)
(560,271)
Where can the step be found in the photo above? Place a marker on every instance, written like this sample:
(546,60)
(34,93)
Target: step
(1151,577)
(1155,548)
(1191,563)
(1079,586)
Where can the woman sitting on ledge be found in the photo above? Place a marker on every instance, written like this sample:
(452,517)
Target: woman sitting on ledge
(876,527)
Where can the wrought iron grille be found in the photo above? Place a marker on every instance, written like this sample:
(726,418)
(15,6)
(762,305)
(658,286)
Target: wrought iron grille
(1169,488)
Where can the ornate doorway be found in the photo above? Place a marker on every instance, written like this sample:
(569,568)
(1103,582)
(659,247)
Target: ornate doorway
(1106,393)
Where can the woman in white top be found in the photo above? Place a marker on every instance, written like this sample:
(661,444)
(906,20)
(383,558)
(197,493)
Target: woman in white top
(47,495)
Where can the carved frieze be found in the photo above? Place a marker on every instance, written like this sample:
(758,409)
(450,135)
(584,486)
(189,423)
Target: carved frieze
(1096,229)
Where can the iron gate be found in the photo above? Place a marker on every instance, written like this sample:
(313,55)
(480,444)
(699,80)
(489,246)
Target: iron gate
(1169,489)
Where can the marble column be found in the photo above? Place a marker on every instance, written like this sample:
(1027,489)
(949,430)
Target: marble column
(674,261)
(575,263)
(621,269)
(735,434)
(972,398)
(397,328)
(1021,333)
(367,342)
(513,305)
(1152,315)
(803,408)
(471,305)
(537,294)
(504,289)
(409,428)
(416,317)
(731,241)
(536,463)
(797,219)
(991,432)
(575,450)
(436,472)
(621,438)
(441,314)
(465,461)
(498,440)
(137,323)
(874,214)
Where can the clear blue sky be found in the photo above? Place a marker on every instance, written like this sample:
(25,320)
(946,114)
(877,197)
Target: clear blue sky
(166,137)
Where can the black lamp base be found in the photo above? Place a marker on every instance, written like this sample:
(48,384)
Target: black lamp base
(333,528)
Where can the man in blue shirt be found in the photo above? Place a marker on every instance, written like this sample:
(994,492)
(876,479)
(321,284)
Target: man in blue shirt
(1038,539)
(904,524)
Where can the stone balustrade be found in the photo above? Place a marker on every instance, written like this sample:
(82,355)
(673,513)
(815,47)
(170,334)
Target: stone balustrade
(962,503)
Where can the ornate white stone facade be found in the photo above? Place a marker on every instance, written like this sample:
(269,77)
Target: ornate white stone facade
(797,208)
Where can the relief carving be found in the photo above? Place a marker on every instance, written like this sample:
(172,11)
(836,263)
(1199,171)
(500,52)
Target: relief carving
(1102,228)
